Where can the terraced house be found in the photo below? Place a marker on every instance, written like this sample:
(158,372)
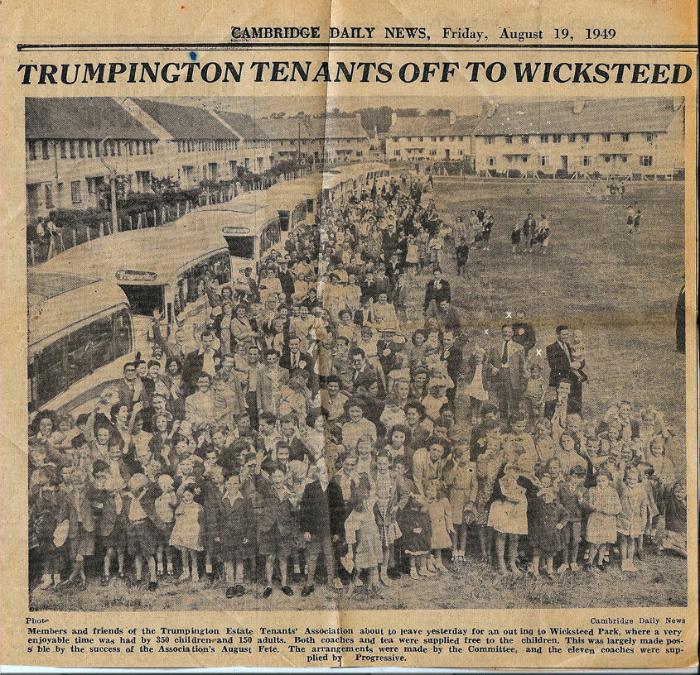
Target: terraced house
(72,145)
(618,137)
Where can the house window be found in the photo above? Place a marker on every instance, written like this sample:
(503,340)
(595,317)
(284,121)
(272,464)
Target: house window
(572,138)
(72,150)
(509,140)
(81,148)
(75,195)
(556,138)
(433,152)
(625,138)
(524,140)
(544,160)
(607,159)
(586,138)
(44,149)
(606,138)
(97,149)
(63,149)
(89,148)
(586,160)
(488,140)
(397,153)
(624,159)
(32,150)
(491,161)
(650,138)
(645,160)
(544,138)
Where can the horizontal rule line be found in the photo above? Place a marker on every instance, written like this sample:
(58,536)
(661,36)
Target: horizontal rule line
(216,46)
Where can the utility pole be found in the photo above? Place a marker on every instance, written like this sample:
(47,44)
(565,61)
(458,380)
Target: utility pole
(112,188)
(299,142)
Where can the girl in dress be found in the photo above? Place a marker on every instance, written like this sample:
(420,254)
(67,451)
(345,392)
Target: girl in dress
(546,519)
(508,517)
(475,377)
(488,465)
(441,526)
(462,486)
(140,528)
(632,519)
(187,532)
(603,504)
(165,510)
(415,526)
(363,539)
(111,525)
(385,509)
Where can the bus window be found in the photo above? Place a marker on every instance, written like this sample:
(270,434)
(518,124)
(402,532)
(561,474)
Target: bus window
(78,352)
(122,333)
(221,268)
(284,220)
(309,205)
(143,299)
(51,373)
(101,336)
(241,247)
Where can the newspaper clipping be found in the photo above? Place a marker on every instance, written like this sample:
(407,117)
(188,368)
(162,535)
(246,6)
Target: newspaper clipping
(341,336)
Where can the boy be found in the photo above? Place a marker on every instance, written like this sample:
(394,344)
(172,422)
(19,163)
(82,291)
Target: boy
(462,252)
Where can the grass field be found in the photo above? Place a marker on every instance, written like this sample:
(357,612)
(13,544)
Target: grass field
(620,290)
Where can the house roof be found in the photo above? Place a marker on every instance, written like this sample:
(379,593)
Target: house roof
(626,115)
(244,125)
(432,125)
(81,118)
(315,128)
(185,122)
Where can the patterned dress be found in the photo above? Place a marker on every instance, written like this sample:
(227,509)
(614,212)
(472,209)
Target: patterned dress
(386,499)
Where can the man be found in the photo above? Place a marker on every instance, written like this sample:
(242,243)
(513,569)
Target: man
(523,333)
(229,397)
(130,387)
(203,360)
(529,226)
(251,383)
(172,350)
(507,370)
(452,357)
(563,369)
(436,290)
(294,358)
(363,372)
(445,314)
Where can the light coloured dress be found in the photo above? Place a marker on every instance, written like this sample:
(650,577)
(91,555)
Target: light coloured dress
(604,504)
(509,515)
(187,531)
(386,500)
(440,515)
(361,530)
(461,483)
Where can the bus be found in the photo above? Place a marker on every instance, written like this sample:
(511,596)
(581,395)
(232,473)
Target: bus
(165,269)
(80,334)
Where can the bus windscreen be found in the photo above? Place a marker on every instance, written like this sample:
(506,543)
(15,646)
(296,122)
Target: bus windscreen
(241,247)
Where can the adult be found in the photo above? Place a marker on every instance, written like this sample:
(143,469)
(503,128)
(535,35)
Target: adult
(562,368)
(507,370)
(523,332)
(436,290)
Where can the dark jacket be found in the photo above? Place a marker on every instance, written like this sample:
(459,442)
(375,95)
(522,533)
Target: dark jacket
(322,513)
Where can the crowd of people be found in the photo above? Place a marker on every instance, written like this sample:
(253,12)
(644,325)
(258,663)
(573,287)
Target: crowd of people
(325,413)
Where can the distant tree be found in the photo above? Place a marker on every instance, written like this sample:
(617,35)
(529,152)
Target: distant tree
(407,112)
(444,112)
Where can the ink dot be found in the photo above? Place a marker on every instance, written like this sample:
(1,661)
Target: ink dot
(193,56)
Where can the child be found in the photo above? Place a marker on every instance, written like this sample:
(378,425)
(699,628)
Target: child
(111,524)
(488,465)
(275,527)
(186,535)
(441,526)
(363,539)
(415,526)
(603,504)
(571,493)
(462,252)
(385,508)
(44,507)
(632,519)
(140,528)
(165,509)
(462,485)
(476,380)
(238,530)
(508,517)
(546,519)
(535,391)
(212,496)
(515,237)
(674,506)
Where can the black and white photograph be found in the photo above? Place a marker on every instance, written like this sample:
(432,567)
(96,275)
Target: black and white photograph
(399,353)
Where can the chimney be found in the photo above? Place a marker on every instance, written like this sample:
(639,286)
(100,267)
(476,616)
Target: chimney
(489,109)
(578,106)
(678,102)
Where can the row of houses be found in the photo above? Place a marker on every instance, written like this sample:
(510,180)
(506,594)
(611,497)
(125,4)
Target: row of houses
(75,144)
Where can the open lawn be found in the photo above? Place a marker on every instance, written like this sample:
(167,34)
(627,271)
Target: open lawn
(620,290)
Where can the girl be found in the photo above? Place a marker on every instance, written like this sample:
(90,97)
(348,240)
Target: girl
(415,526)
(45,505)
(238,541)
(515,237)
(546,518)
(535,391)
(212,502)
(111,524)
(488,465)
(603,504)
(508,517)
(363,539)
(441,526)
(571,494)
(674,507)
(186,535)
(476,382)
(165,510)
(385,510)
(462,486)
(632,518)
(365,459)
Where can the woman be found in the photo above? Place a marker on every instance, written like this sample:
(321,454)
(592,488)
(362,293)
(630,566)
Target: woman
(241,328)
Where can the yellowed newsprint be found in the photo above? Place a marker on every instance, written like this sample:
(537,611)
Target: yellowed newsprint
(349,335)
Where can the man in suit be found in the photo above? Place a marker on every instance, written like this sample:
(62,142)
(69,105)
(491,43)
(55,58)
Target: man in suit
(507,371)
(271,378)
(363,372)
(524,333)
(203,360)
(294,358)
(452,357)
(436,290)
(562,369)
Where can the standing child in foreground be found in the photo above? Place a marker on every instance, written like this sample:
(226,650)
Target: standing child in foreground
(674,506)
(462,253)
(165,509)
(385,508)
(362,537)
(571,493)
(187,532)
(238,540)
(441,526)
(461,483)
(140,529)
(415,526)
(632,518)
(603,504)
